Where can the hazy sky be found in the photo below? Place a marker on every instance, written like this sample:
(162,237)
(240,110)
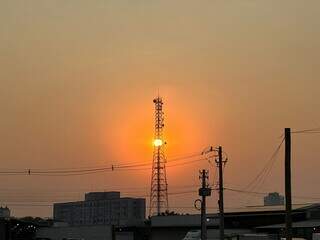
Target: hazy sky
(78,78)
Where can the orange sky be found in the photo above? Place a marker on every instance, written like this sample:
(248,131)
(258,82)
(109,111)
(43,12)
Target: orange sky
(78,79)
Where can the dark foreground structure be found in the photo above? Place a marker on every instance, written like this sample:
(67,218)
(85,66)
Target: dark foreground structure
(267,220)
(258,220)
(16,229)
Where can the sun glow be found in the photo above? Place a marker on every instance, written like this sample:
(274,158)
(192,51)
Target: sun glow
(157,142)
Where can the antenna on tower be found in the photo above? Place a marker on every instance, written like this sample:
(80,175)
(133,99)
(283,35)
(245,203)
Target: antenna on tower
(159,186)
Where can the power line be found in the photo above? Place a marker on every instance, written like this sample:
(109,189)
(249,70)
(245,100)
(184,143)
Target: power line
(265,193)
(311,130)
(85,171)
(170,159)
(188,162)
(95,171)
(43,203)
(61,173)
(262,175)
(146,195)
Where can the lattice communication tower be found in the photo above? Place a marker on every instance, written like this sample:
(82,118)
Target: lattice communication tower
(159,186)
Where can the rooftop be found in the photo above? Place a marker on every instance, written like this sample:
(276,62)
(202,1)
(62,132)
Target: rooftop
(250,209)
(312,223)
(213,217)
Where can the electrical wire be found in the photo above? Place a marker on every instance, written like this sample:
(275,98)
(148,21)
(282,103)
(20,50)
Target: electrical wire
(311,130)
(262,175)
(85,171)
(65,173)
(266,193)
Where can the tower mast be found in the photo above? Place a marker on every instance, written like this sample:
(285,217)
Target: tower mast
(159,186)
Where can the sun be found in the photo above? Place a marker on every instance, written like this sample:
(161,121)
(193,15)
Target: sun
(157,142)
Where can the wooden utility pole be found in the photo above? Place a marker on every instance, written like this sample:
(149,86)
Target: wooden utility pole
(287,137)
(204,192)
(220,164)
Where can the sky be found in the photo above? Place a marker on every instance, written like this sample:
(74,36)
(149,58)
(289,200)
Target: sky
(78,79)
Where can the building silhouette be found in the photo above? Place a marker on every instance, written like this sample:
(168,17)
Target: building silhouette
(4,212)
(105,208)
(273,199)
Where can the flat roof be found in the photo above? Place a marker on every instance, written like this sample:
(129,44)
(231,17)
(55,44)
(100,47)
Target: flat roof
(213,218)
(192,220)
(250,209)
(302,224)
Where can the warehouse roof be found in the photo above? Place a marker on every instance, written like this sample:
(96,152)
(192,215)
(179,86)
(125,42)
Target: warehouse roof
(213,218)
(312,223)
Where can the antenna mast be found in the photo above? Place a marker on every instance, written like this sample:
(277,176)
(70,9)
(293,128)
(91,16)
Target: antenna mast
(159,186)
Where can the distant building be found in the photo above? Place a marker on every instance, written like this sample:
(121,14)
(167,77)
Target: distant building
(273,199)
(4,212)
(105,208)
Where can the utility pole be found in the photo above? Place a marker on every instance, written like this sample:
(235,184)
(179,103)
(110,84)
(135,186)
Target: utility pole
(3,228)
(287,137)
(113,232)
(220,164)
(204,192)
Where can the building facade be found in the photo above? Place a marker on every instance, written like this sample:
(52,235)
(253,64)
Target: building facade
(105,208)
(273,199)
